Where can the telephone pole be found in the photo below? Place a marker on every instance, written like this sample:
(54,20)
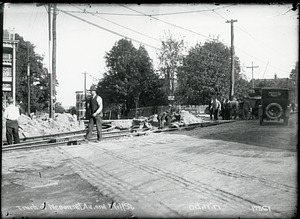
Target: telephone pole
(231,92)
(48,8)
(54,51)
(28,80)
(84,84)
(252,73)
(51,113)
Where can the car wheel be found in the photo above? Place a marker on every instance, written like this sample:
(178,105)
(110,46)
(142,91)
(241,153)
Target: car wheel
(274,111)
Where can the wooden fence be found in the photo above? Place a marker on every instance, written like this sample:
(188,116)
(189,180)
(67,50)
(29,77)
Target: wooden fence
(148,111)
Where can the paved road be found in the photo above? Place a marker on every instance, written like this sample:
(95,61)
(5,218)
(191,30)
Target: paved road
(237,169)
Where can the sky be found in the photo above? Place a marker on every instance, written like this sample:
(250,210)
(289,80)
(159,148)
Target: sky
(265,35)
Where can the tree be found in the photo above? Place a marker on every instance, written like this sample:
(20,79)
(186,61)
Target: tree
(130,76)
(294,83)
(206,72)
(39,79)
(59,108)
(170,58)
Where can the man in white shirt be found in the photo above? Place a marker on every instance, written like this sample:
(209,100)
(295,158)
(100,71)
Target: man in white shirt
(12,114)
(215,107)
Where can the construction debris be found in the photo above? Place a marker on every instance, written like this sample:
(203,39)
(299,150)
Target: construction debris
(43,125)
(188,118)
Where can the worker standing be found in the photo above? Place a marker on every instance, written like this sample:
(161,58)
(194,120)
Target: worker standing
(95,114)
(12,114)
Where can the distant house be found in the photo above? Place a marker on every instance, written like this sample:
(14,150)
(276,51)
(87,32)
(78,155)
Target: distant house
(80,104)
(280,83)
(274,82)
(9,64)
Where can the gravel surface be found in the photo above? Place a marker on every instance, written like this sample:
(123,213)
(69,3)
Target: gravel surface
(230,170)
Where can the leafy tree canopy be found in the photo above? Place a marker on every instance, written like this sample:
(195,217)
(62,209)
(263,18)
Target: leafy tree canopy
(130,80)
(205,72)
(39,80)
(170,57)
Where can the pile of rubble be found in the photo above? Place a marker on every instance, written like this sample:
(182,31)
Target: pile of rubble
(186,118)
(43,125)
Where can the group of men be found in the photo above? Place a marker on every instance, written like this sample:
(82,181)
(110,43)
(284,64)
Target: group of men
(94,107)
(215,106)
(94,113)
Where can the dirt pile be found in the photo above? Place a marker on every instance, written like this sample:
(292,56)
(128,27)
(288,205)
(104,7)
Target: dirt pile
(188,118)
(43,125)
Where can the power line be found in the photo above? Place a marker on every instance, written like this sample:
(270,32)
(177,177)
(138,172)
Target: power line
(119,25)
(260,60)
(159,14)
(107,29)
(160,21)
(165,21)
(188,12)
(257,40)
(263,43)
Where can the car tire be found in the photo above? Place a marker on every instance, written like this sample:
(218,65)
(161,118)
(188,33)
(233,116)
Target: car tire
(268,113)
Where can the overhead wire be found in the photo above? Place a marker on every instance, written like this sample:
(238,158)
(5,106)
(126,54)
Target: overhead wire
(32,25)
(103,28)
(166,22)
(84,11)
(143,14)
(255,39)
(189,12)
(262,43)
(161,14)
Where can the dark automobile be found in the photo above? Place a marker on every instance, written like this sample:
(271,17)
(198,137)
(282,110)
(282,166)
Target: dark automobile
(274,105)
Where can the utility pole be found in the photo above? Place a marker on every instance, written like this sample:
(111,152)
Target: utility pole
(231,92)
(54,50)
(252,73)
(84,84)
(51,113)
(28,80)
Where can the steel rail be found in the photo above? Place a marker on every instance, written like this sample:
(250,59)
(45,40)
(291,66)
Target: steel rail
(65,138)
(63,133)
(49,136)
(63,141)
(77,139)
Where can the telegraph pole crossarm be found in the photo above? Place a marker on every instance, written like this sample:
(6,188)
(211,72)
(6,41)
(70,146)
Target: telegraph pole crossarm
(252,73)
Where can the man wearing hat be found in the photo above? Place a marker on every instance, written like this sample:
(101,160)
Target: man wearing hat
(95,112)
(12,114)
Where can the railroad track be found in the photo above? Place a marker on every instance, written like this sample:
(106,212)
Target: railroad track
(69,138)
(77,137)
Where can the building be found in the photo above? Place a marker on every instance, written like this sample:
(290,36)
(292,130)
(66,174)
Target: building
(276,82)
(80,104)
(9,64)
(280,83)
